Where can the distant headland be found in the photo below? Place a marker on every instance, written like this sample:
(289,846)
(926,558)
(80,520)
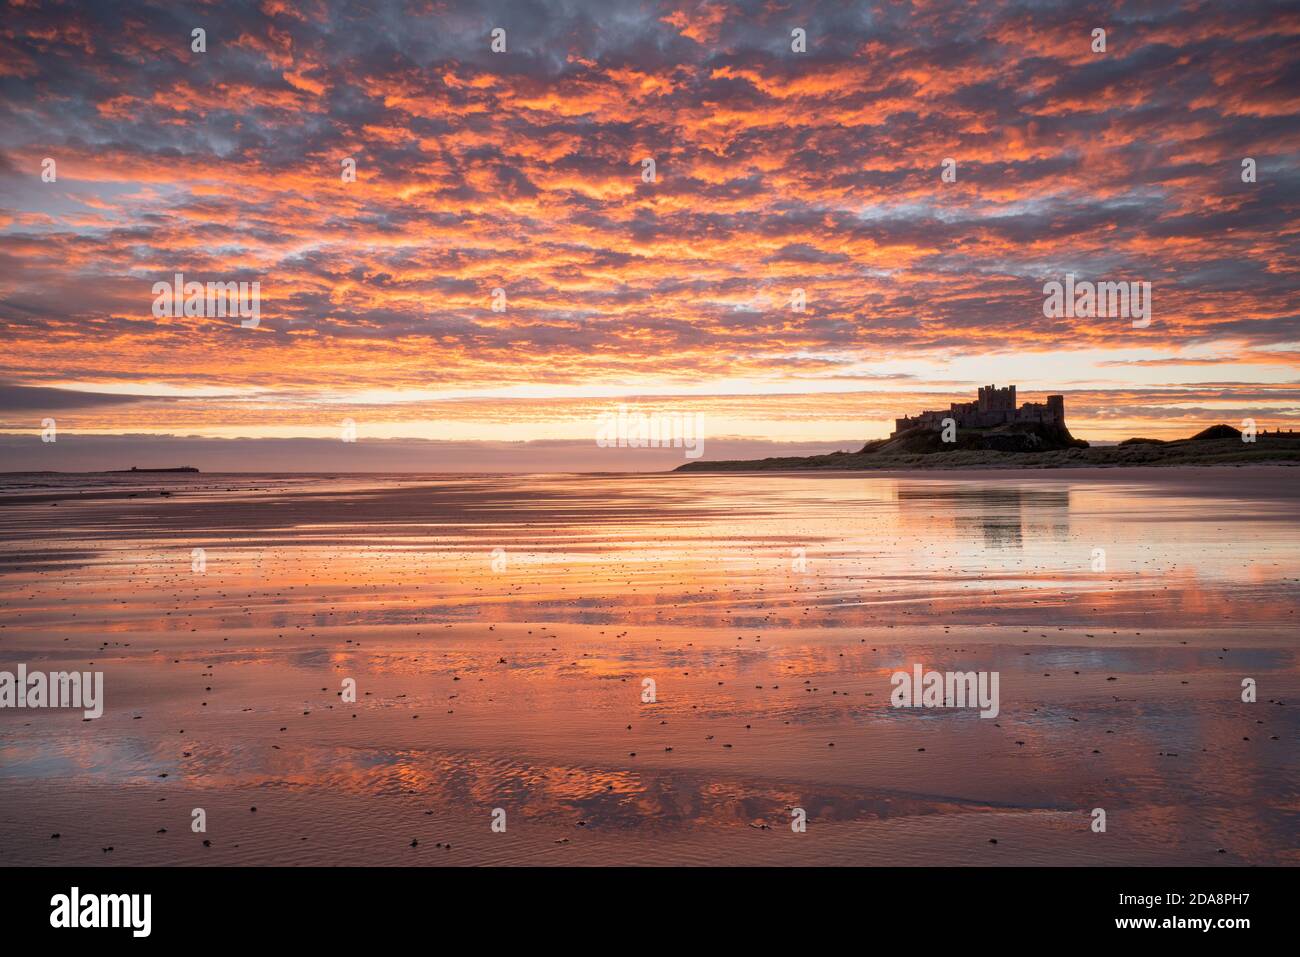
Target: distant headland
(993,432)
(181,468)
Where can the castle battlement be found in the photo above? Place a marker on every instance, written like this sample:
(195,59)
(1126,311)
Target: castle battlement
(992,407)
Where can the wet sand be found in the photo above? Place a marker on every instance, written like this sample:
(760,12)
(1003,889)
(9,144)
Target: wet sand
(499,629)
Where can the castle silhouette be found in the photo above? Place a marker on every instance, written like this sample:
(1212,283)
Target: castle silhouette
(992,408)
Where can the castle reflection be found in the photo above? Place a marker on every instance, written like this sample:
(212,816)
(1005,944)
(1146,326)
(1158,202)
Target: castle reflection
(1000,515)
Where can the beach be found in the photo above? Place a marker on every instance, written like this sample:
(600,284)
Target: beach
(500,630)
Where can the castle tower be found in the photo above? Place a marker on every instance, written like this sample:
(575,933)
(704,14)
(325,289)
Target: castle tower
(993,399)
(1056,408)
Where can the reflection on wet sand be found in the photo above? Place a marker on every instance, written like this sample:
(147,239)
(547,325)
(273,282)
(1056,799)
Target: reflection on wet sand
(499,630)
(998,512)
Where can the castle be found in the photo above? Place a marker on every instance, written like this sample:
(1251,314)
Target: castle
(992,408)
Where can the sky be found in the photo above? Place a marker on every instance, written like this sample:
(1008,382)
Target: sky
(504,269)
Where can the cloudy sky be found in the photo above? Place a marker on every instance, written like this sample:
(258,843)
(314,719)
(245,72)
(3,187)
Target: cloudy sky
(522,170)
